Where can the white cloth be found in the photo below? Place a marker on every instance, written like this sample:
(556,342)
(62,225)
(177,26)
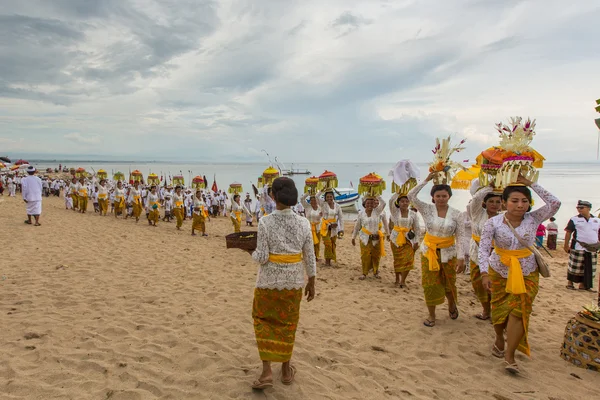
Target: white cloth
(586,231)
(31,188)
(451,225)
(496,230)
(283,232)
(34,207)
(312,215)
(403,171)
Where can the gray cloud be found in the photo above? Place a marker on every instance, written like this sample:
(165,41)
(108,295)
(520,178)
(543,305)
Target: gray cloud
(234,78)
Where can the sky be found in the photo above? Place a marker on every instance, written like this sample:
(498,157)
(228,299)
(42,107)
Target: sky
(308,81)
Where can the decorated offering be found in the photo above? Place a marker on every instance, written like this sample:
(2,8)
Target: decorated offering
(268,176)
(153,179)
(235,188)
(311,185)
(198,183)
(178,180)
(102,174)
(371,185)
(404,177)
(80,173)
(442,165)
(327,181)
(502,164)
(118,176)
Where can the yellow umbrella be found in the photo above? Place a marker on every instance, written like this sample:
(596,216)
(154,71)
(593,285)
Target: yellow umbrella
(462,179)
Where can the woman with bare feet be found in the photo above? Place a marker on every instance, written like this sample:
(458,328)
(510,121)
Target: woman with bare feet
(405,233)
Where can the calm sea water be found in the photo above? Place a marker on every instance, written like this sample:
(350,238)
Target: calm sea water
(569,182)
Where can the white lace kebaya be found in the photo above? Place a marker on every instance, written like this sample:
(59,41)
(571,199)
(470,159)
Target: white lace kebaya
(496,230)
(451,225)
(410,222)
(479,217)
(369,223)
(312,215)
(284,232)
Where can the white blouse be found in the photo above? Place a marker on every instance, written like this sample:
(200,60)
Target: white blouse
(235,207)
(478,216)
(332,213)
(410,222)
(284,232)
(496,230)
(370,223)
(451,225)
(312,215)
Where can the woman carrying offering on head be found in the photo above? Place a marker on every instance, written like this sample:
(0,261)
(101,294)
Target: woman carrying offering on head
(235,213)
(509,269)
(332,223)
(369,229)
(402,242)
(441,253)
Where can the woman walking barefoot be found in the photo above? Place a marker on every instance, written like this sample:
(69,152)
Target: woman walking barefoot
(440,249)
(332,223)
(403,247)
(285,252)
(513,272)
(368,229)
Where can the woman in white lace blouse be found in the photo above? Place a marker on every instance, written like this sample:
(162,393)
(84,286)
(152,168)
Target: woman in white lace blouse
(513,272)
(441,248)
(313,215)
(403,244)
(285,253)
(332,223)
(485,204)
(370,231)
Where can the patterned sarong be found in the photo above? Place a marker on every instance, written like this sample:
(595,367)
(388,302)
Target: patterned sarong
(276,314)
(482,294)
(437,283)
(198,222)
(329,242)
(551,242)
(370,255)
(404,257)
(519,305)
(236,224)
(582,267)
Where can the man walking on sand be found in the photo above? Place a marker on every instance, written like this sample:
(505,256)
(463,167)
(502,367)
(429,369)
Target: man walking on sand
(581,235)
(31,189)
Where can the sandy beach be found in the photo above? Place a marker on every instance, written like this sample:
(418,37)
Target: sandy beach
(97,308)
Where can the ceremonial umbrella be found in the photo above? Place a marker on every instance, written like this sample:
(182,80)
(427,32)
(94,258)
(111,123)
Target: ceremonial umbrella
(463,178)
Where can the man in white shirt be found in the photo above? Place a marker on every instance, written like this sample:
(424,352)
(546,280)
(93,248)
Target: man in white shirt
(31,189)
(582,231)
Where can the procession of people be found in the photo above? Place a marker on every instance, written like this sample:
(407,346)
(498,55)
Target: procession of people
(498,235)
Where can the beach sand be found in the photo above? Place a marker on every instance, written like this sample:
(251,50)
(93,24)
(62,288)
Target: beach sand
(98,308)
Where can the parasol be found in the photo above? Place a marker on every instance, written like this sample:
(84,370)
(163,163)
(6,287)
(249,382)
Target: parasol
(463,178)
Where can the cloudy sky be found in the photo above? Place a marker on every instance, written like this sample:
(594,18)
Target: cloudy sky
(338,80)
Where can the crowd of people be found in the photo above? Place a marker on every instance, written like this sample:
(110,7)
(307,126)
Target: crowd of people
(494,240)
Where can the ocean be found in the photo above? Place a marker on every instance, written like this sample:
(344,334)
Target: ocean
(570,182)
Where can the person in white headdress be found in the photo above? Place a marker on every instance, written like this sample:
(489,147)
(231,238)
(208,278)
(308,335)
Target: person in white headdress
(31,189)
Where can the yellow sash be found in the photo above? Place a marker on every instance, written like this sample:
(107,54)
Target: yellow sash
(83,192)
(203,211)
(121,200)
(324,224)
(381,238)
(285,258)
(238,216)
(401,239)
(264,213)
(515,283)
(179,204)
(136,199)
(313,229)
(433,243)
(476,238)
(102,196)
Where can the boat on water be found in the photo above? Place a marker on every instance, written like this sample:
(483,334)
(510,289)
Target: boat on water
(295,172)
(346,198)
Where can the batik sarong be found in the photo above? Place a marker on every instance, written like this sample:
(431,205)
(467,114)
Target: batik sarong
(370,255)
(437,283)
(519,305)
(404,257)
(276,314)
(482,294)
